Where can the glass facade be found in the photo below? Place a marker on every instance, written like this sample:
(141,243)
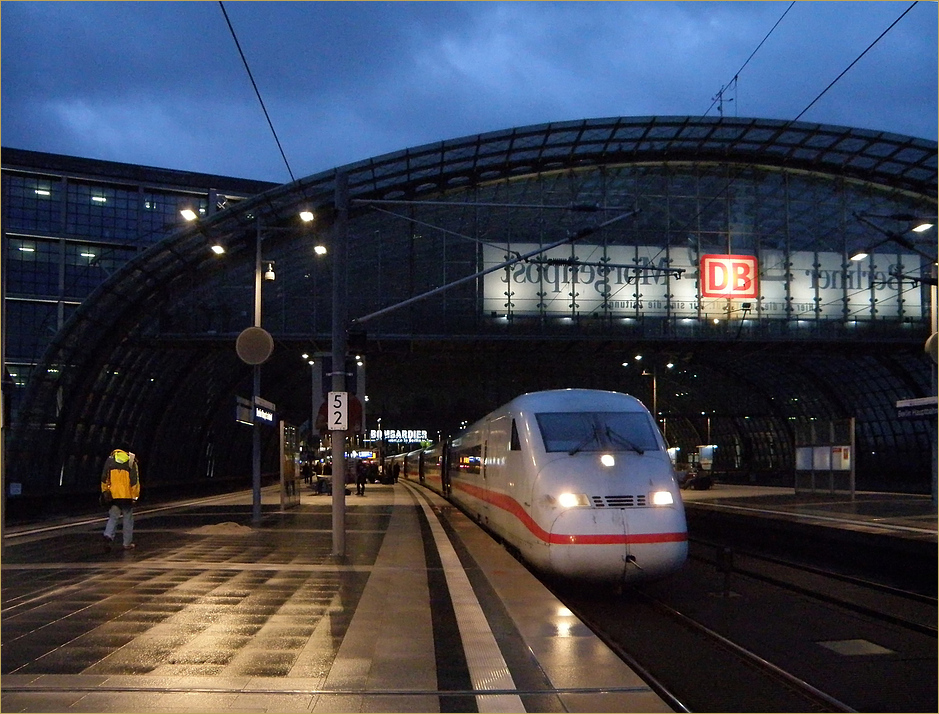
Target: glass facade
(65,234)
(593,237)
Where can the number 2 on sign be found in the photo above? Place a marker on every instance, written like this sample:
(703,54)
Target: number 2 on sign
(338,411)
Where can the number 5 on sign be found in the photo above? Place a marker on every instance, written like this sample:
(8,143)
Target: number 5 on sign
(338,411)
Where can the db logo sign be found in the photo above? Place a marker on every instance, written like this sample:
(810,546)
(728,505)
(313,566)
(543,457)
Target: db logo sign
(728,276)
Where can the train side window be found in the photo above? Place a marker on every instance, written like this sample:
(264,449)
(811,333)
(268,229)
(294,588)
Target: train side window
(467,460)
(516,444)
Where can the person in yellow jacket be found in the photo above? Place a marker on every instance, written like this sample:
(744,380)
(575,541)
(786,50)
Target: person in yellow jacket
(120,485)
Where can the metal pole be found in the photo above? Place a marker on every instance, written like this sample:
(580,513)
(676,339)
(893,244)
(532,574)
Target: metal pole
(655,393)
(314,407)
(256,430)
(4,396)
(853,455)
(934,325)
(340,237)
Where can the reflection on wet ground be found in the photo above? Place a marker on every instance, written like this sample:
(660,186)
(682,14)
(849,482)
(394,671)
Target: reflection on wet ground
(204,594)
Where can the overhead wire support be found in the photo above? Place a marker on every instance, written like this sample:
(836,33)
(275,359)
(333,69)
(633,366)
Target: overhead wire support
(719,97)
(517,258)
(256,90)
(788,123)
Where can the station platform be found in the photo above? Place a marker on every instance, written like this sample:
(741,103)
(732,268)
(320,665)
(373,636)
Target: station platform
(209,613)
(898,515)
(890,538)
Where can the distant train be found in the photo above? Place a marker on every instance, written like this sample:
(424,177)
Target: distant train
(578,482)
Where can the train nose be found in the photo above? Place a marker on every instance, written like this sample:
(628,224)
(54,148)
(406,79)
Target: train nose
(617,544)
(589,543)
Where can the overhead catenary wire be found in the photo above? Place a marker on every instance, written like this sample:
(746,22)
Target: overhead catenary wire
(718,96)
(856,60)
(736,174)
(256,90)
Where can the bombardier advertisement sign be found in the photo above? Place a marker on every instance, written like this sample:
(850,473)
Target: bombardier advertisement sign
(593,278)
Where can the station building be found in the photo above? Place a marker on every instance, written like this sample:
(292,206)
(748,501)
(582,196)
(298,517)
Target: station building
(711,267)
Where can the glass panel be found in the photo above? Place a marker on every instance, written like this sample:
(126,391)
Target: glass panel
(34,268)
(33,203)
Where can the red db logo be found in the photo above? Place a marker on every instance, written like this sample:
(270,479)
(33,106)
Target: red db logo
(728,276)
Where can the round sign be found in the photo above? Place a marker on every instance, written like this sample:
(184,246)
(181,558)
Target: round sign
(254,345)
(932,346)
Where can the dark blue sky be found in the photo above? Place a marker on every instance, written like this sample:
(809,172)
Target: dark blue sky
(162,83)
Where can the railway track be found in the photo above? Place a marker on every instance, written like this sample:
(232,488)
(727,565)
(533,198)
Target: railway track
(769,637)
(705,671)
(912,610)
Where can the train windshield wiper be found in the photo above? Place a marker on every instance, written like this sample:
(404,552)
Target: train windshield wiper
(592,436)
(623,441)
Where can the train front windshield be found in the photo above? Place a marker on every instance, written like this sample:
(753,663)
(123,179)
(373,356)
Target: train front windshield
(574,432)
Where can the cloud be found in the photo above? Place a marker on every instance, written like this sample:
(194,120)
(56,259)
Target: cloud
(163,83)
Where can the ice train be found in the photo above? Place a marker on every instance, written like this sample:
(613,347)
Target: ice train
(578,482)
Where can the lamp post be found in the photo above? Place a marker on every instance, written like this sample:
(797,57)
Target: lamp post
(256,391)
(654,373)
(255,345)
(313,408)
(340,232)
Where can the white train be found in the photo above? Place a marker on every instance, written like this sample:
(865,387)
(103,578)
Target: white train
(577,481)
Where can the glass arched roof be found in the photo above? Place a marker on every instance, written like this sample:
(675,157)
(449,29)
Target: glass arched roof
(128,366)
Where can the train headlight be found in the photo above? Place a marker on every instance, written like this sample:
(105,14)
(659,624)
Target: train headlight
(570,500)
(662,498)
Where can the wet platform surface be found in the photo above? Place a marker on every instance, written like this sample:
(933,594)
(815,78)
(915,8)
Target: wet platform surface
(211,614)
(896,514)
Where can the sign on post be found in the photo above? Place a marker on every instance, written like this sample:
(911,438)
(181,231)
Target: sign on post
(264,411)
(337,411)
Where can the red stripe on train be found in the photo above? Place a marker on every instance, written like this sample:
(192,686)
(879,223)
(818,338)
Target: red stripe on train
(512,506)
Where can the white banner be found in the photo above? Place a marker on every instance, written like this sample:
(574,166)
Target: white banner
(605,277)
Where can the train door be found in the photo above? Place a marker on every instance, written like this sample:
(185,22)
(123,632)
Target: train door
(445,469)
(485,492)
(499,488)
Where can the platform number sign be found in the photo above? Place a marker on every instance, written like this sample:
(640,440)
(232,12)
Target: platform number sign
(338,411)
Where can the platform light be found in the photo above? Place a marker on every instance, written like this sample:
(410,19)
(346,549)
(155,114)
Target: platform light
(922,227)
(860,255)
(306,216)
(269,273)
(320,250)
(608,460)
(218,249)
(188,214)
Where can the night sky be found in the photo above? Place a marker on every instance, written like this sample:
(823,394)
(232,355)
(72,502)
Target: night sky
(163,83)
